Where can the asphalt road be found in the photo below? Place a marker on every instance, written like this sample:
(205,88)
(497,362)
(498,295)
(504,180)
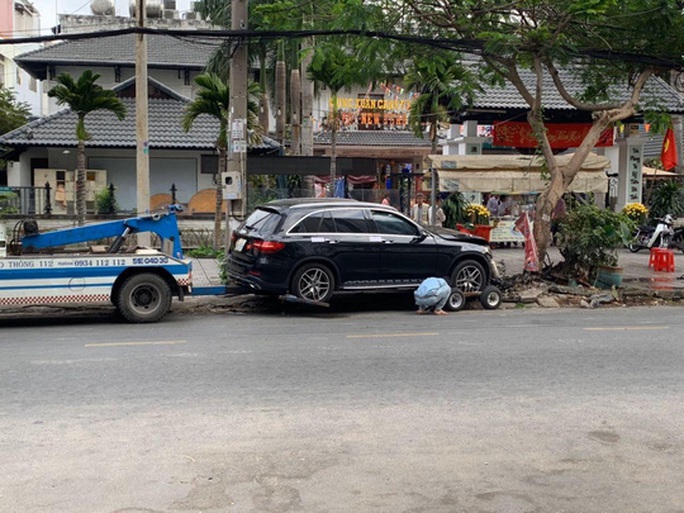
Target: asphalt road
(381,411)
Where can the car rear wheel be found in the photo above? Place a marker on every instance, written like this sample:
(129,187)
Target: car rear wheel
(314,282)
(469,276)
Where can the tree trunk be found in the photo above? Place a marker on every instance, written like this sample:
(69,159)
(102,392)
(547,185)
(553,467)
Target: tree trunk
(81,183)
(264,111)
(223,154)
(295,111)
(307,117)
(281,96)
(333,145)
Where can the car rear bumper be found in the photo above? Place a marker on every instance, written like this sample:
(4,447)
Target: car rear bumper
(250,276)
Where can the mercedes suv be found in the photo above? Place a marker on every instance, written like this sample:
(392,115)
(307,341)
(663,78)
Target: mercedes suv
(313,248)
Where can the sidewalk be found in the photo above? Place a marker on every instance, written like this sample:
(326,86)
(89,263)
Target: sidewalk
(636,272)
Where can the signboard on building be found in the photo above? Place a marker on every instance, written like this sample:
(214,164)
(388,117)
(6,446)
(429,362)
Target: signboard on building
(561,135)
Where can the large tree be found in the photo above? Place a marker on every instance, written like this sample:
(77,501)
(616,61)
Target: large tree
(84,96)
(213,99)
(611,46)
(13,114)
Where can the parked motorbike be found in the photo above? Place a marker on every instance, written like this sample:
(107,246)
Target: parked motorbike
(660,236)
(678,239)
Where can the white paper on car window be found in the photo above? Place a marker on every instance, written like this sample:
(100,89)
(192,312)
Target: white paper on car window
(375,238)
(317,239)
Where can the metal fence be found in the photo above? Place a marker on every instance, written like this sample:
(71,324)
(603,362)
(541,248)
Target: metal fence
(25,200)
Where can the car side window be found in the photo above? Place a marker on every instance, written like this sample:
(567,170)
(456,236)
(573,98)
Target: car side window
(391,224)
(316,222)
(309,224)
(350,221)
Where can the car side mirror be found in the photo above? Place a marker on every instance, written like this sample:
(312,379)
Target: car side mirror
(422,235)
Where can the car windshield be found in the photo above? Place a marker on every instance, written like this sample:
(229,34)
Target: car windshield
(263,221)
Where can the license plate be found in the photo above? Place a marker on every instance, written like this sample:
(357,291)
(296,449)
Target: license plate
(240,244)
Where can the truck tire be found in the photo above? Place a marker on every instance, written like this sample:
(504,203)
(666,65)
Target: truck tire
(143,297)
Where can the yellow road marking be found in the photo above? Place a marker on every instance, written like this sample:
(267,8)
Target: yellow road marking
(389,335)
(157,343)
(629,328)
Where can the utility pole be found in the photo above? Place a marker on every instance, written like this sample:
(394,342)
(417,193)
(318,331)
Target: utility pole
(142,155)
(237,120)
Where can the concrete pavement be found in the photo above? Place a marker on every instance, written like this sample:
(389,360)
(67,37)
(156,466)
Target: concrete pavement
(636,272)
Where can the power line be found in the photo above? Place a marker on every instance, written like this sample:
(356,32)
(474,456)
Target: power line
(469,46)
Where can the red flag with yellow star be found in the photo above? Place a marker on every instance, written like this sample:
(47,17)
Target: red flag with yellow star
(668,154)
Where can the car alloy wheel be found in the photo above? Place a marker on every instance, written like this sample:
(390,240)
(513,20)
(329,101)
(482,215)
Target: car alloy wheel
(469,276)
(314,282)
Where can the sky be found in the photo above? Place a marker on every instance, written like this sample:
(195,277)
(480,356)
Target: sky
(50,8)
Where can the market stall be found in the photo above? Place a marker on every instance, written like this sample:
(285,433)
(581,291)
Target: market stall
(518,178)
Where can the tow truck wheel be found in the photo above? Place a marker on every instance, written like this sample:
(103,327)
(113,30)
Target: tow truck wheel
(456,301)
(491,298)
(144,297)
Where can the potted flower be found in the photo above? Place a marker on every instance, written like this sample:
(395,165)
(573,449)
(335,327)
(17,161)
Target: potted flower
(588,240)
(636,212)
(478,216)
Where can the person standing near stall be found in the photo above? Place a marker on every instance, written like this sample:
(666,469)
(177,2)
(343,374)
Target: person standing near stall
(493,205)
(419,212)
(440,217)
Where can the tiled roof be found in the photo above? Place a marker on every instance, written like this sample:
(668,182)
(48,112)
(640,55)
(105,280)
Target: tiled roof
(508,97)
(162,52)
(372,138)
(165,129)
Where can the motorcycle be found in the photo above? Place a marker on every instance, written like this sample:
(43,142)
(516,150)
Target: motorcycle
(660,236)
(678,239)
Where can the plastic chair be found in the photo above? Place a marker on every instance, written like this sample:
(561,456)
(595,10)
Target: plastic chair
(662,260)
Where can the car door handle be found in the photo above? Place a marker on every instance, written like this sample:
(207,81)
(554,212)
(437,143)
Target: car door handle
(331,241)
(385,241)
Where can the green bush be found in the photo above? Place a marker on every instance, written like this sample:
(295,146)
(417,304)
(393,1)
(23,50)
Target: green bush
(9,203)
(454,208)
(666,198)
(106,202)
(590,237)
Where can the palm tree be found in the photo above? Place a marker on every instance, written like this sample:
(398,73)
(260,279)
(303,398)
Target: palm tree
(84,96)
(213,99)
(337,68)
(442,84)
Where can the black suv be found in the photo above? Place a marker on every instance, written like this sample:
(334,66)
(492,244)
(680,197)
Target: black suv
(312,248)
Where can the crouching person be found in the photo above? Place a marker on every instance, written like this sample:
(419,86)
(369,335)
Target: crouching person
(432,295)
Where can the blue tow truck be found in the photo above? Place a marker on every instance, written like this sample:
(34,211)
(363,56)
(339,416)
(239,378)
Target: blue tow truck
(140,283)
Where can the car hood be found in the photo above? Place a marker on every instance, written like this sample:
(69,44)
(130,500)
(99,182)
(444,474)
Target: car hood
(449,234)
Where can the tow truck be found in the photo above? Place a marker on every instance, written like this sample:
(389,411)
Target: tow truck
(140,283)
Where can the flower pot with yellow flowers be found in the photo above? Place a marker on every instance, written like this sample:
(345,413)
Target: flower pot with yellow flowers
(478,224)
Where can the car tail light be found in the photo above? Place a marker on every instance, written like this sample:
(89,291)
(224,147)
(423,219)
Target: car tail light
(268,246)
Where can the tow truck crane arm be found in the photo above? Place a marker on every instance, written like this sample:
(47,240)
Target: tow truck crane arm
(163,224)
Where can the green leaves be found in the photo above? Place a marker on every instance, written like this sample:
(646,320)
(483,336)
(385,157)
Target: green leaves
(13,114)
(84,96)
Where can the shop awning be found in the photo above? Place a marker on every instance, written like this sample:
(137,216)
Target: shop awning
(511,174)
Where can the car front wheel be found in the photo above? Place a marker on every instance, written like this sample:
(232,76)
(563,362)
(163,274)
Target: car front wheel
(469,276)
(314,282)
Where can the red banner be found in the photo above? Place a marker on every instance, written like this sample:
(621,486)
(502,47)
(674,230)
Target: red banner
(561,135)
(531,256)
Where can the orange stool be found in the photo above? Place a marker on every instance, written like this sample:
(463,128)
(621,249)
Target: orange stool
(662,260)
